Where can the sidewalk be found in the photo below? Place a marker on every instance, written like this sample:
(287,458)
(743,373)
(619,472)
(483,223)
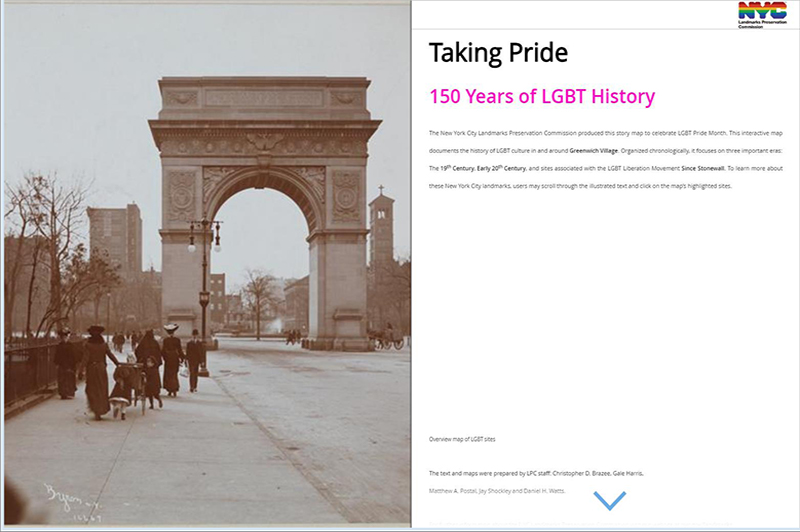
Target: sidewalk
(200,461)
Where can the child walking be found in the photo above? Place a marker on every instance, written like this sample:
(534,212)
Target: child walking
(120,396)
(153,386)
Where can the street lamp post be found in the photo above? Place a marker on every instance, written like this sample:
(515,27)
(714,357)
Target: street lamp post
(206,227)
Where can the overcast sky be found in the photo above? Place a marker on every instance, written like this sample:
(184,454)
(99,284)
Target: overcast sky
(81,83)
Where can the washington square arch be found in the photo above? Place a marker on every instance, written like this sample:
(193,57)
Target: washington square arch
(303,136)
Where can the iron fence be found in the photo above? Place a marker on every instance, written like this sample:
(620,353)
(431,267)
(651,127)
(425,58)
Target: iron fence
(28,369)
(22,341)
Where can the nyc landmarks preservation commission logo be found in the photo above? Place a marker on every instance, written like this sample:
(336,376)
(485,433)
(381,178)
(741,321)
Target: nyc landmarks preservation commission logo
(757,15)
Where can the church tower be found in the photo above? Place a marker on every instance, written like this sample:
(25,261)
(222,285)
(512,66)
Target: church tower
(381,230)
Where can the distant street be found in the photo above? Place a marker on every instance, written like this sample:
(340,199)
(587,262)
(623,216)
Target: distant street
(278,435)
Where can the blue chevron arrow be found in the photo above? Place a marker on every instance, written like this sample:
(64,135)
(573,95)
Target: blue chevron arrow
(609,506)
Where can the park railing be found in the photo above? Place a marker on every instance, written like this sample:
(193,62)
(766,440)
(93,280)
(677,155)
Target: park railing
(23,341)
(28,370)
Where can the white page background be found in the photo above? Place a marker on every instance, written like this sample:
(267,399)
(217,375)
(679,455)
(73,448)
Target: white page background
(610,330)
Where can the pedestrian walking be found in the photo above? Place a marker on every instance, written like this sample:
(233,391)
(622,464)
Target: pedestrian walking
(66,362)
(135,337)
(120,396)
(195,353)
(96,377)
(148,347)
(152,388)
(119,341)
(172,352)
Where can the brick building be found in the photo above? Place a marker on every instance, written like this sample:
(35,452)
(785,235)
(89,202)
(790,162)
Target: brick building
(118,233)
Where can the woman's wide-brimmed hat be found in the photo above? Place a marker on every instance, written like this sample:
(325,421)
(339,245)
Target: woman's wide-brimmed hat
(64,332)
(96,329)
(171,327)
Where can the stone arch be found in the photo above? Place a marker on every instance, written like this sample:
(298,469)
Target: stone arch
(305,137)
(304,186)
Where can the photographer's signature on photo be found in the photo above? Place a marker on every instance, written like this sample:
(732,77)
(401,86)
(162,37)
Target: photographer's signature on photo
(70,504)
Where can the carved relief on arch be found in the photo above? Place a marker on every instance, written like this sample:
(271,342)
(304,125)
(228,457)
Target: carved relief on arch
(181,185)
(312,145)
(345,196)
(315,177)
(180,98)
(213,176)
(304,185)
(347,99)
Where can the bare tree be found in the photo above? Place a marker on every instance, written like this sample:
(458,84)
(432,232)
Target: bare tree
(153,298)
(141,300)
(136,300)
(17,232)
(84,278)
(23,254)
(108,279)
(258,295)
(55,210)
(36,253)
(389,294)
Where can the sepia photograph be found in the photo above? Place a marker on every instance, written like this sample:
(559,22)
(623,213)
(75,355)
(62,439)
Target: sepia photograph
(207,264)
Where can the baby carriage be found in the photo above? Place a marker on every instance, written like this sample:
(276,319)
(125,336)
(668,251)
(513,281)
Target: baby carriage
(133,375)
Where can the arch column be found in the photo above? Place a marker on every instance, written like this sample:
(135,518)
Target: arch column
(337,286)
(181,281)
(338,262)
(181,271)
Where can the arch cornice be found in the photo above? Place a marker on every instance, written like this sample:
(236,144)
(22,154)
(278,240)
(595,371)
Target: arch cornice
(323,138)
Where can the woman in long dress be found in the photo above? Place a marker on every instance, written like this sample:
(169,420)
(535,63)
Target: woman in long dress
(173,356)
(66,361)
(148,347)
(96,376)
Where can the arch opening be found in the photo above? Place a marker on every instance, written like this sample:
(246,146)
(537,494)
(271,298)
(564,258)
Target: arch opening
(284,180)
(264,234)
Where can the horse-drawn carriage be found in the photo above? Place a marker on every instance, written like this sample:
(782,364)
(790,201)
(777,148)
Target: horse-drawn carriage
(387,338)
